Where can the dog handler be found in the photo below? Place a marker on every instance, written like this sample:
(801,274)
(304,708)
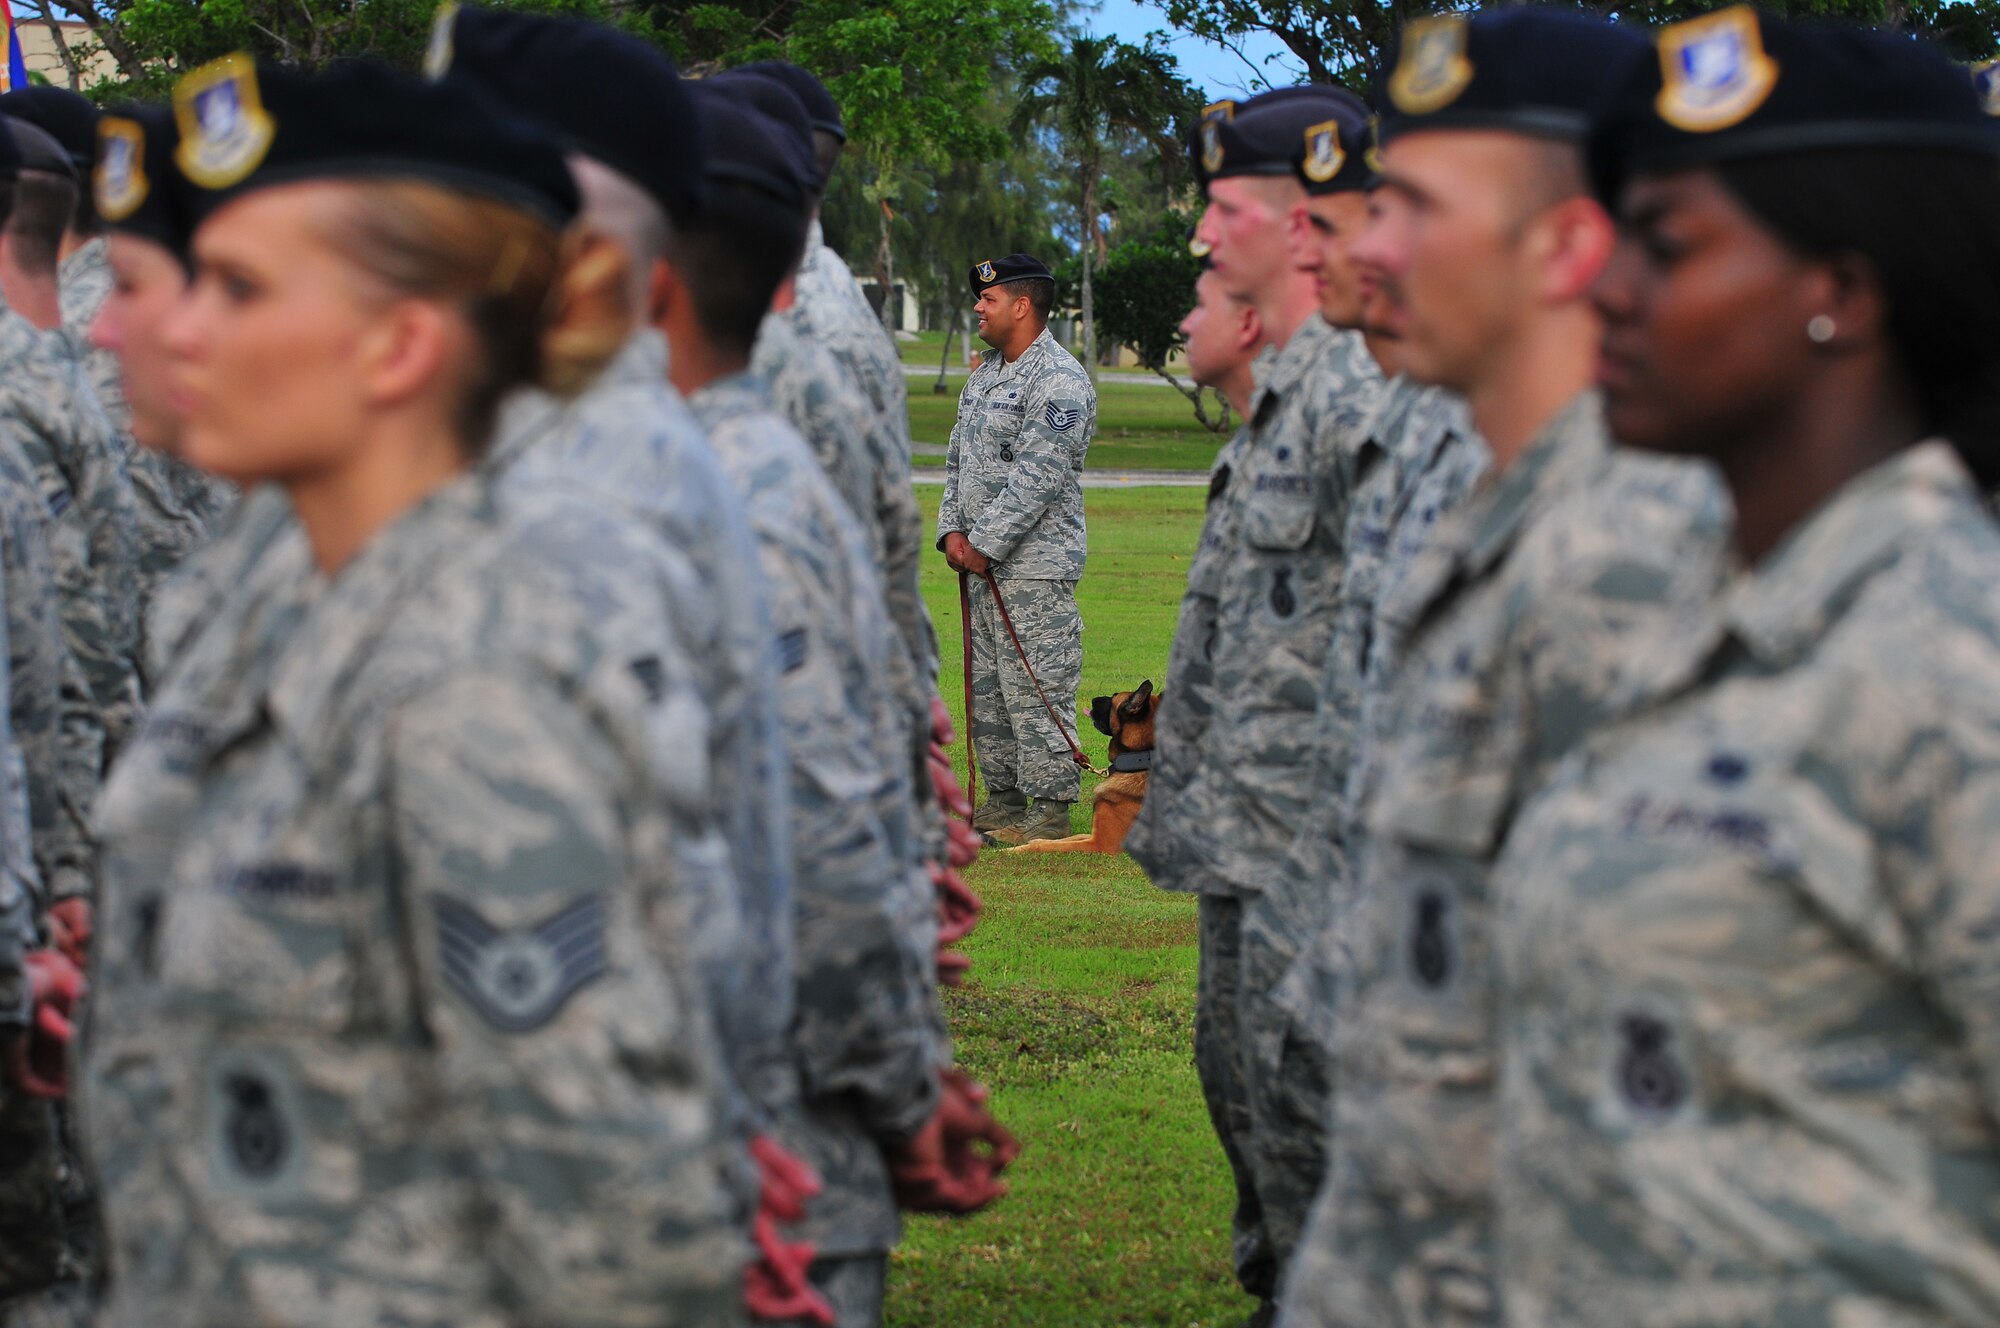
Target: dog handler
(1013,510)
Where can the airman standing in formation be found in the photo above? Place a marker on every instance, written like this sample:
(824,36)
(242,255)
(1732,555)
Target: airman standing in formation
(509,852)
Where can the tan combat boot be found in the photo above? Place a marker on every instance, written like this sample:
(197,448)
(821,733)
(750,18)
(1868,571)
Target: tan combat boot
(1003,807)
(1045,818)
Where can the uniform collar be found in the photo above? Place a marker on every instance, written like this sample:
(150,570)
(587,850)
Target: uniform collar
(1308,346)
(529,415)
(1570,445)
(1037,351)
(1780,607)
(728,397)
(358,604)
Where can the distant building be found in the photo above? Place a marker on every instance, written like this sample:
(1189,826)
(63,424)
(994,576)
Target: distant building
(38,51)
(908,317)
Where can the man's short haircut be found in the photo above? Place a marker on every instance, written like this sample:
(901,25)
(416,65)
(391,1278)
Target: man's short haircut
(734,258)
(1552,172)
(1041,295)
(43,206)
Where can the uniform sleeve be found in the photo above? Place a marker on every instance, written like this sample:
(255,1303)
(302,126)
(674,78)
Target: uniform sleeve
(1048,454)
(576,1081)
(950,516)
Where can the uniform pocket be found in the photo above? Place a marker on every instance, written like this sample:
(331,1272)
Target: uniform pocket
(1279,511)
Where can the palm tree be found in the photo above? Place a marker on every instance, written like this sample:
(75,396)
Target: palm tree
(1098,87)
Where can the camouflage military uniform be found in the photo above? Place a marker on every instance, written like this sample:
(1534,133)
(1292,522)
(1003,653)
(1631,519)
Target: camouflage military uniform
(64,440)
(1752,1024)
(632,441)
(832,313)
(175,507)
(868,1039)
(1287,497)
(1012,487)
(1420,459)
(805,385)
(392,1018)
(1525,603)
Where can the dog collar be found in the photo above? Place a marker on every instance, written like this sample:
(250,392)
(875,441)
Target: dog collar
(1127,763)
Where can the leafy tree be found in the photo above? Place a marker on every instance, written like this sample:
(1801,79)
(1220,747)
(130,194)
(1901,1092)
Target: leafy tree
(1144,291)
(1096,88)
(1343,41)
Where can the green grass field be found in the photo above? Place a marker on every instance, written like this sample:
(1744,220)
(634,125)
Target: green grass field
(1079,1013)
(1140,426)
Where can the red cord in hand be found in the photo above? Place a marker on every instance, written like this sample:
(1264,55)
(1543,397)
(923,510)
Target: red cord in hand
(776,1285)
(38,1061)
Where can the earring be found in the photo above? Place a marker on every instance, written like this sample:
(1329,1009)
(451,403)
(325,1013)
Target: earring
(1820,330)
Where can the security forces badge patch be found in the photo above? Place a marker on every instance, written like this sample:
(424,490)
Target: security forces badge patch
(1433,68)
(986,271)
(1714,71)
(1213,116)
(1324,156)
(119,182)
(517,979)
(437,56)
(225,130)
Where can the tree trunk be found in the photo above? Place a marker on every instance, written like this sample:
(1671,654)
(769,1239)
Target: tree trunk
(107,35)
(1089,356)
(944,361)
(885,272)
(62,49)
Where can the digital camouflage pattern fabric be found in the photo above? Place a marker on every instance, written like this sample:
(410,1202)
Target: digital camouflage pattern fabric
(1751,1030)
(632,440)
(867,1041)
(361,962)
(1526,602)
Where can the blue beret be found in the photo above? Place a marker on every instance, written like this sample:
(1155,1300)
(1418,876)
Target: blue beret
(603,93)
(1014,267)
(1531,70)
(1335,155)
(805,85)
(1266,134)
(38,149)
(246,125)
(68,116)
(776,101)
(744,149)
(1737,84)
(136,188)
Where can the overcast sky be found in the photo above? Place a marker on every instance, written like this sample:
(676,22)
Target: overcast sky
(1218,72)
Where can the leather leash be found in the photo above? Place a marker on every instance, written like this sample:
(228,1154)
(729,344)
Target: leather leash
(1007,621)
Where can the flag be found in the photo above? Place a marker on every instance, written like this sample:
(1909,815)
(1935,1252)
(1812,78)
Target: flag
(17,68)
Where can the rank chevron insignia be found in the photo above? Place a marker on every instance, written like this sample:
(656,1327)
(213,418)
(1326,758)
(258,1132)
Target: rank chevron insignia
(1062,421)
(519,979)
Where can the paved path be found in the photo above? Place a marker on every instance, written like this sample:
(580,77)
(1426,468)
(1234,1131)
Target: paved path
(1109,479)
(929,372)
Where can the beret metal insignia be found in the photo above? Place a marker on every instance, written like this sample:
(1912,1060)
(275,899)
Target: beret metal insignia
(986,271)
(437,55)
(1714,71)
(518,980)
(1372,158)
(120,182)
(1324,156)
(225,131)
(1433,68)
(1986,82)
(1213,116)
(1199,247)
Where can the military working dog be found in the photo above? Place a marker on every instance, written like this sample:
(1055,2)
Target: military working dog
(1127,719)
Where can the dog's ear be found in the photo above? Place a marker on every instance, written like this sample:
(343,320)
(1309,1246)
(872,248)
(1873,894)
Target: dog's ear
(1136,702)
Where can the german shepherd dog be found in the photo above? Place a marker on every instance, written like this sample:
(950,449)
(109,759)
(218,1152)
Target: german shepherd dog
(1127,719)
